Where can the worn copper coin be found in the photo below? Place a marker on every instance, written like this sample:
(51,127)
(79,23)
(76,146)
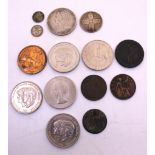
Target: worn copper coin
(37,30)
(61,21)
(63,131)
(123,86)
(91,21)
(32,59)
(94,121)
(93,87)
(38,16)
(129,53)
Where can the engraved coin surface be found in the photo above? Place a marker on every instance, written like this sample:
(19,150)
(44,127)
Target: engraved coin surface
(123,86)
(32,59)
(60,92)
(97,55)
(26,97)
(64,57)
(37,30)
(94,121)
(38,16)
(63,130)
(61,21)
(91,21)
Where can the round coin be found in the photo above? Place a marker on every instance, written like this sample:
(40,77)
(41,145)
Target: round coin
(61,21)
(26,97)
(63,131)
(37,30)
(91,21)
(38,16)
(129,53)
(64,57)
(94,121)
(93,87)
(123,86)
(97,55)
(60,92)
(32,59)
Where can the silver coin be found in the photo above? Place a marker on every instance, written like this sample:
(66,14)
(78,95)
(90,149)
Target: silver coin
(61,21)
(63,131)
(64,57)
(97,55)
(60,92)
(26,97)
(37,30)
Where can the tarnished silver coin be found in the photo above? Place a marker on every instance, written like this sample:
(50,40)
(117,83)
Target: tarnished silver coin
(63,130)
(60,92)
(97,55)
(38,16)
(61,21)
(37,30)
(64,57)
(26,97)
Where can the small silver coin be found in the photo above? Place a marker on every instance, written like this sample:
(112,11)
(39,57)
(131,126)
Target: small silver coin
(60,92)
(61,21)
(37,30)
(26,97)
(64,57)
(63,131)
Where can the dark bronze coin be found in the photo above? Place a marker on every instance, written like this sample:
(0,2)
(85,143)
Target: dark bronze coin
(129,53)
(123,86)
(93,87)
(38,16)
(94,121)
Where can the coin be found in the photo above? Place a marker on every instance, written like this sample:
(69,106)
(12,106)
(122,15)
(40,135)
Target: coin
(93,87)
(32,59)
(60,92)
(37,30)
(63,131)
(64,57)
(26,97)
(97,55)
(129,53)
(38,16)
(61,21)
(94,121)
(123,86)
(91,21)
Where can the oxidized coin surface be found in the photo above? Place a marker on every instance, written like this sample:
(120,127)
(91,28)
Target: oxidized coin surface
(93,87)
(94,121)
(97,55)
(61,21)
(129,53)
(32,59)
(37,30)
(60,92)
(26,97)
(91,21)
(123,86)
(38,16)
(64,57)
(63,130)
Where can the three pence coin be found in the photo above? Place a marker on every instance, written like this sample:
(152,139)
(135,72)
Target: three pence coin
(37,30)
(63,131)
(38,16)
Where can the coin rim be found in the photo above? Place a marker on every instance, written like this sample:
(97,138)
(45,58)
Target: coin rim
(33,33)
(34,15)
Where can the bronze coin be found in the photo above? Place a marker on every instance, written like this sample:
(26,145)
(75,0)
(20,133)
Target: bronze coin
(38,16)
(32,59)
(123,86)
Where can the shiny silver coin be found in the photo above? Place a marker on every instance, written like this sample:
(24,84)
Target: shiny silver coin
(60,92)
(26,97)
(64,57)
(37,30)
(61,21)
(63,130)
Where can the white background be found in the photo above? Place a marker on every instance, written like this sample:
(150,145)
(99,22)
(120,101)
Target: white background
(126,130)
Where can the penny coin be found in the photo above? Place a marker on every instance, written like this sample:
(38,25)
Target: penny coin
(60,92)
(61,21)
(64,57)
(63,131)
(32,59)
(37,30)
(129,53)
(26,97)
(123,86)
(38,16)
(91,21)
(97,55)
(94,121)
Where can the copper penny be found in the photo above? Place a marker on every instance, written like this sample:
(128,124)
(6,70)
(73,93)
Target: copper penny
(32,59)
